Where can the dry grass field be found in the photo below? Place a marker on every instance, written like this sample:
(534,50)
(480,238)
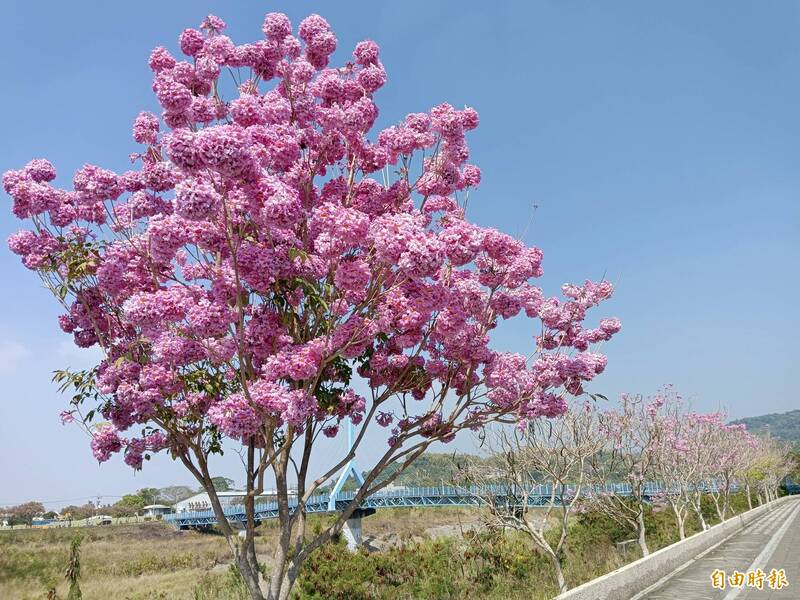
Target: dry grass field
(409,553)
(150,560)
(154,561)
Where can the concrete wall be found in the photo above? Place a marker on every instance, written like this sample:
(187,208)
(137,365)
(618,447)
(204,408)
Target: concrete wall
(627,581)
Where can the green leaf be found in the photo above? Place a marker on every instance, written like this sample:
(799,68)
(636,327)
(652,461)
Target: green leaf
(298,253)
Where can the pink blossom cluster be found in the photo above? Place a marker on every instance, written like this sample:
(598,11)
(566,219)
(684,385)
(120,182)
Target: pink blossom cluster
(255,258)
(105,442)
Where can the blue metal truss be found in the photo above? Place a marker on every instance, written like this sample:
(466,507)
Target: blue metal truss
(421,497)
(349,469)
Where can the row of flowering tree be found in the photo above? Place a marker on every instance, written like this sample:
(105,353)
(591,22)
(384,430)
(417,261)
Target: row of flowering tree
(687,454)
(654,452)
(269,268)
(700,454)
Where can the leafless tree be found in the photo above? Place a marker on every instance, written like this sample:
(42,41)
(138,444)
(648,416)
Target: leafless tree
(677,465)
(770,461)
(543,465)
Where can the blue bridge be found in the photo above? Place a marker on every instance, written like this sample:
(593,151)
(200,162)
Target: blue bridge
(421,497)
(416,497)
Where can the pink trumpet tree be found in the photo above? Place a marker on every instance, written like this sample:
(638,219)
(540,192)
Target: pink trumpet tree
(266,257)
(728,450)
(633,435)
(553,453)
(713,456)
(676,465)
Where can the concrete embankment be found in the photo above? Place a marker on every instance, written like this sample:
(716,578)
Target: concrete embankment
(627,581)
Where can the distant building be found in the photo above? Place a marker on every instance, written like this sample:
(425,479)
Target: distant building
(154,510)
(200,502)
(395,488)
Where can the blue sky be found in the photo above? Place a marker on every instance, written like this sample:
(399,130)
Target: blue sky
(659,143)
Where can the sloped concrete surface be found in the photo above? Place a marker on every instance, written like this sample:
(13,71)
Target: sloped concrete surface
(683,570)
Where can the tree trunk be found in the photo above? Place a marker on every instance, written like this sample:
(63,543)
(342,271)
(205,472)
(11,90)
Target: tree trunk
(281,555)
(249,546)
(679,519)
(641,532)
(720,513)
(681,528)
(240,556)
(249,578)
(749,497)
(562,582)
(288,582)
(726,498)
(699,512)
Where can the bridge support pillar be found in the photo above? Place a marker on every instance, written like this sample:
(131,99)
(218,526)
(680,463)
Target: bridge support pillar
(352,528)
(352,533)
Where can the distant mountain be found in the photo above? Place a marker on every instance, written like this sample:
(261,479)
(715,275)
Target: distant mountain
(785,426)
(431,469)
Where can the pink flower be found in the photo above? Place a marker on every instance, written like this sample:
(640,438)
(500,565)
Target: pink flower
(145,128)
(266,246)
(352,277)
(277,26)
(40,170)
(366,53)
(384,419)
(235,417)
(213,23)
(196,200)
(191,42)
(105,442)
(161,60)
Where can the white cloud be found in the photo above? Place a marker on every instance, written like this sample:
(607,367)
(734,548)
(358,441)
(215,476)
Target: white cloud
(12,355)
